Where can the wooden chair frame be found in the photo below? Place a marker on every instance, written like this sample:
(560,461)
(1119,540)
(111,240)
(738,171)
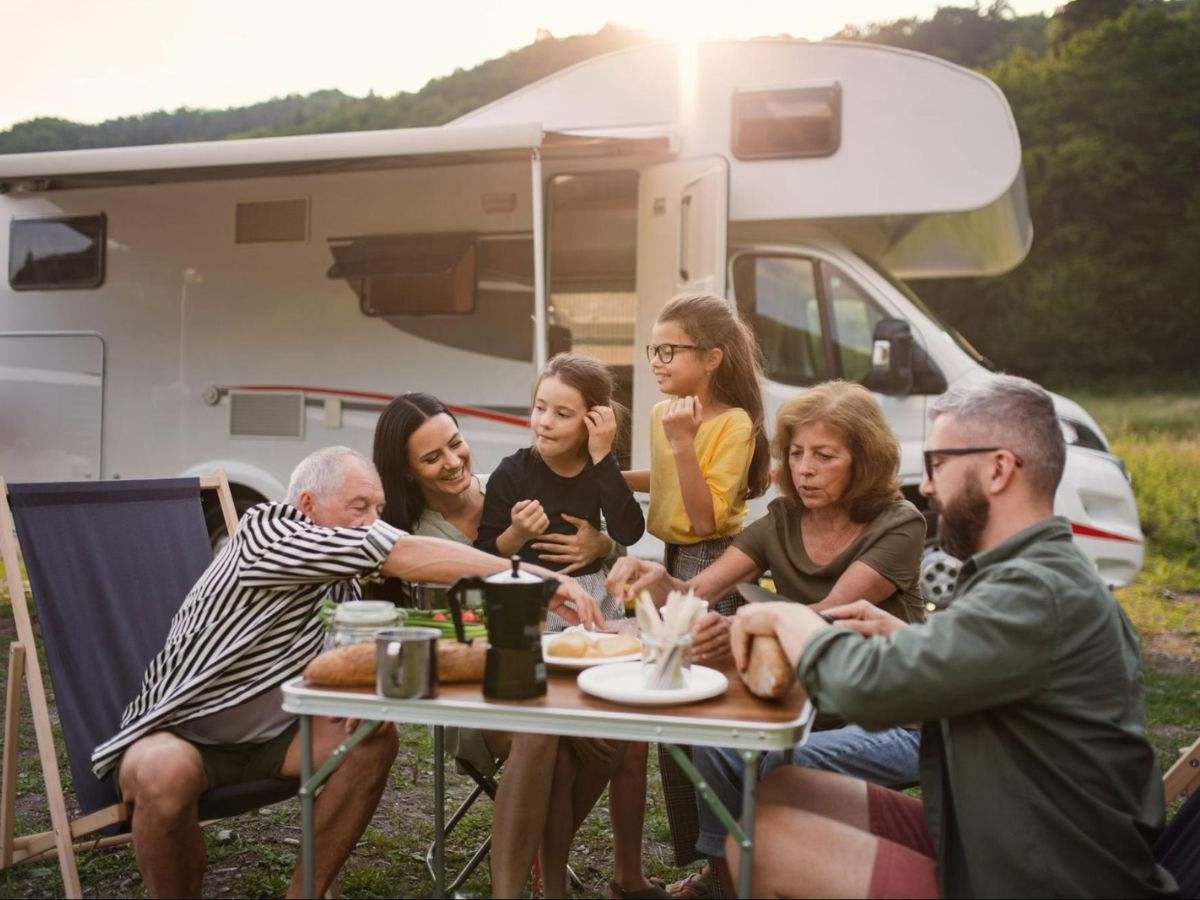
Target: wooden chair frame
(24,666)
(1183,778)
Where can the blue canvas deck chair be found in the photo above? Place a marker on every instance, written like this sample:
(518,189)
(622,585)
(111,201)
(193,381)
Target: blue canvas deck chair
(109,563)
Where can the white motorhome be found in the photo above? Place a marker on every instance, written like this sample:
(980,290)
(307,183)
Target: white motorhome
(171,309)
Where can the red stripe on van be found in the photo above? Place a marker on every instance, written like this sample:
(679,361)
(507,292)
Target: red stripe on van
(1088,531)
(474,411)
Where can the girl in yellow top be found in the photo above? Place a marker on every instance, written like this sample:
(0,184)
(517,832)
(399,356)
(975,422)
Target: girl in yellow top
(708,455)
(708,445)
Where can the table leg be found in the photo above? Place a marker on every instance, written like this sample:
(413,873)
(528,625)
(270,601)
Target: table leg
(439,811)
(310,783)
(307,789)
(749,794)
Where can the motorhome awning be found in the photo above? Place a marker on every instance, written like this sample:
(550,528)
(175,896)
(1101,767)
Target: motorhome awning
(310,154)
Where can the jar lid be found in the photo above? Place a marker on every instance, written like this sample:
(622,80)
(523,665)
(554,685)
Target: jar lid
(365,612)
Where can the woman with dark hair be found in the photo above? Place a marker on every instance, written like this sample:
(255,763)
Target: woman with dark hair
(424,463)
(840,531)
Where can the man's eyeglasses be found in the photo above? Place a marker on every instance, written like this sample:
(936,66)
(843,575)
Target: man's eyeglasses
(666,352)
(962,451)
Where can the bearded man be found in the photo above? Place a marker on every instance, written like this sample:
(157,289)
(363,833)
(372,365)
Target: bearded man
(1036,776)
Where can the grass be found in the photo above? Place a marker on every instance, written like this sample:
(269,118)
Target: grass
(1158,435)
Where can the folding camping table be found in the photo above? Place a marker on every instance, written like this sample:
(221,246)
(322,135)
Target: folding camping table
(736,719)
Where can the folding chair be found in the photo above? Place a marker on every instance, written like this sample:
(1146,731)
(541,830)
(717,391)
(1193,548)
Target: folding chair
(484,784)
(1178,849)
(109,563)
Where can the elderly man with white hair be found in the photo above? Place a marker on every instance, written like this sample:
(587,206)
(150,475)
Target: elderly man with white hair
(209,713)
(1036,776)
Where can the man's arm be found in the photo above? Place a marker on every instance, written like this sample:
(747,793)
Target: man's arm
(416,558)
(992,646)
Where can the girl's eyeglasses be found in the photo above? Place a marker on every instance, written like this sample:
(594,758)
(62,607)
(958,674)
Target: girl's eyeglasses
(962,451)
(666,352)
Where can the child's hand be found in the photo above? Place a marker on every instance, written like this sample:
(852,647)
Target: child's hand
(681,421)
(601,424)
(529,519)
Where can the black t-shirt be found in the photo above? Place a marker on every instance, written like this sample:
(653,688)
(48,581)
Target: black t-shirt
(598,489)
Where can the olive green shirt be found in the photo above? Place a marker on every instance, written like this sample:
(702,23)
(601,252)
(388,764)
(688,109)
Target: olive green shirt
(891,544)
(1036,775)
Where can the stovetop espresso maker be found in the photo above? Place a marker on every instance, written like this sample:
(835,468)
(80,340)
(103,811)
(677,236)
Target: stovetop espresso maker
(513,604)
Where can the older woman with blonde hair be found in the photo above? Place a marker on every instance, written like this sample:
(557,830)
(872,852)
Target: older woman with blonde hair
(840,531)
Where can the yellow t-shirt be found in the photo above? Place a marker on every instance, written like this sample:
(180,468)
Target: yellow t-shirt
(724,447)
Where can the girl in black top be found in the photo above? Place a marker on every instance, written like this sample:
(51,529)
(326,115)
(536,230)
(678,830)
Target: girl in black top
(568,476)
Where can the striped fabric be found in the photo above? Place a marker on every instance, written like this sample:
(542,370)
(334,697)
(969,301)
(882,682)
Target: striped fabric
(250,622)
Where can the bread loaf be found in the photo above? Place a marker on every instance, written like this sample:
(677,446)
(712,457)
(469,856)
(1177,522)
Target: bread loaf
(354,665)
(349,666)
(461,662)
(571,645)
(768,674)
(609,645)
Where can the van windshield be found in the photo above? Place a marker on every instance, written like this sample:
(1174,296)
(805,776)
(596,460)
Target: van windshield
(920,304)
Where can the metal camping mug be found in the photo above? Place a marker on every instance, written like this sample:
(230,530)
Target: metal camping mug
(406,662)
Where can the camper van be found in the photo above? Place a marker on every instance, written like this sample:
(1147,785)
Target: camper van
(174,309)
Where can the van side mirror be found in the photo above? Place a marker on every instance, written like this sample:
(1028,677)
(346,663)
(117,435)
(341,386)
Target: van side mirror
(891,358)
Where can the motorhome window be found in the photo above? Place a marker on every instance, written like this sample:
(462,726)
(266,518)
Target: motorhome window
(787,124)
(854,317)
(65,253)
(500,323)
(408,275)
(778,296)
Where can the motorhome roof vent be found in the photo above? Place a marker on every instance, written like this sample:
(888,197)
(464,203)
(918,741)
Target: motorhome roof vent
(266,414)
(271,221)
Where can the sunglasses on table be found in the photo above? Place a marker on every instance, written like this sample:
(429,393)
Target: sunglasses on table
(666,352)
(962,451)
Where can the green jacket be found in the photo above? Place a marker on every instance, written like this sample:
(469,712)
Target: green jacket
(1036,775)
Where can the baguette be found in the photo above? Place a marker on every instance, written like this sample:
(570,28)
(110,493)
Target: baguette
(461,662)
(349,666)
(354,665)
(768,675)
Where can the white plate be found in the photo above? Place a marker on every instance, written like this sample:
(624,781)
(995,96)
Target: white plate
(582,662)
(623,684)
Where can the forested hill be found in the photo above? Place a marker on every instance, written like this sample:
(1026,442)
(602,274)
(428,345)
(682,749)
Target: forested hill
(965,35)
(1106,94)
(439,101)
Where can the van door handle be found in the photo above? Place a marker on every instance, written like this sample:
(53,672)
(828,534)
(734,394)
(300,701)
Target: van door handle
(685,209)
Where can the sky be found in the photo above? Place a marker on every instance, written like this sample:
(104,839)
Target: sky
(90,60)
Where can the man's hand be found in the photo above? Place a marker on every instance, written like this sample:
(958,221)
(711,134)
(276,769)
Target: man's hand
(583,547)
(586,611)
(710,638)
(682,420)
(601,424)
(630,576)
(792,623)
(752,619)
(528,520)
(866,618)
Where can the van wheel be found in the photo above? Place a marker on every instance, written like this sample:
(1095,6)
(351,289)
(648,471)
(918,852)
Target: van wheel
(214,520)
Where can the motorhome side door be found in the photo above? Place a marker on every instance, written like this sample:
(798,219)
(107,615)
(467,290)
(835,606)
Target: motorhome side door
(683,210)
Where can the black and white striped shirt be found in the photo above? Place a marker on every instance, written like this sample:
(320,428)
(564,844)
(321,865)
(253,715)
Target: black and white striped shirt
(250,622)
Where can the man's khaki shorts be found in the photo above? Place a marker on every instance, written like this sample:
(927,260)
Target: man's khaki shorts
(229,764)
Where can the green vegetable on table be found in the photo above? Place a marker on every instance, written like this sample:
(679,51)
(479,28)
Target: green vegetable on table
(444,622)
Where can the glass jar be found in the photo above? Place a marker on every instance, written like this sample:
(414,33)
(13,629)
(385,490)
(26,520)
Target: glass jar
(666,661)
(356,621)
